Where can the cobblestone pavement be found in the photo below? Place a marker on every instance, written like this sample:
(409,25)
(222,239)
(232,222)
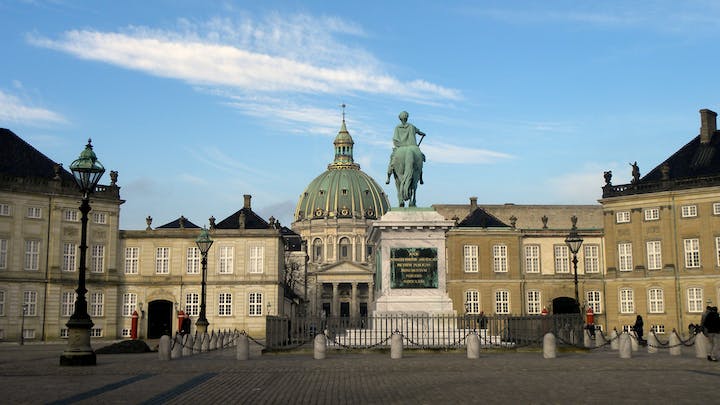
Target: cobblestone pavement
(31,374)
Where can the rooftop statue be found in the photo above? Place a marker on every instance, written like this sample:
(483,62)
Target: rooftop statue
(406,160)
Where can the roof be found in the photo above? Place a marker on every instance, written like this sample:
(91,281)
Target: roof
(179,223)
(251,220)
(481,218)
(531,216)
(19,159)
(293,241)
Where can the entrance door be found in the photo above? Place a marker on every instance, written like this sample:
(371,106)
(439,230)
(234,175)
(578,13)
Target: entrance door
(345,309)
(160,318)
(565,305)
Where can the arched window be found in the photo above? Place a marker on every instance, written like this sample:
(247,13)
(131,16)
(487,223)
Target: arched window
(317,250)
(344,249)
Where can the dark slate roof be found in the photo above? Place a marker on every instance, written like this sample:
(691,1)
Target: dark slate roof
(691,161)
(19,159)
(176,224)
(252,221)
(293,241)
(482,219)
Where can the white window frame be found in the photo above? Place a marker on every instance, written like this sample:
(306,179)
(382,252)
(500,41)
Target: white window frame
(132,259)
(500,264)
(34,212)
(225,304)
(69,259)
(688,211)
(625,259)
(64,333)
(129,303)
(695,299)
(100,218)
(659,329)
(654,254)
(4,210)
(71,215)
(627,300)
(470,258)
(256,257)
(561,258)
(255,304)
(193,260)
(656,300)
(532,258)
(622,217)
(97,304)
(716,208)
(30,298)
(4,246)
(534,302)
(717,250)
(162,260)
(67,303)
(594,300)
(591,258)
(96,332)
(692,253)
(32,254)
(97,259)
(502,302)
(472,302)
(226,259)
(125,332)
(652,214)
(2,302)
(192,304)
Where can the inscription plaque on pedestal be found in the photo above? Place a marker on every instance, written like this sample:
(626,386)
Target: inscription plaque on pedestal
(414,268)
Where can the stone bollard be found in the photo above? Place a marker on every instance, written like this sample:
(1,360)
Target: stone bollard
(675,345)
(320,347)
(652,343)
(197,347)
(473,346)
(633,341)
(396,346)
(164,348)
(624,345)
(549,346)
(177,349)
(614,343)
(242,351)
(188,346)
(213,341)
(702,344)
(205,346)
(588,340)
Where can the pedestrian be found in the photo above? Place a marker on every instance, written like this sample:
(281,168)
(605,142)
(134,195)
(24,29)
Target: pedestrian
(712,329)
(638,328)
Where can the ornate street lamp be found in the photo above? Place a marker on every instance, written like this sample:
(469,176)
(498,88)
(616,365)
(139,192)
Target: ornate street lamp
(87,171)
(203,243)
(574,241)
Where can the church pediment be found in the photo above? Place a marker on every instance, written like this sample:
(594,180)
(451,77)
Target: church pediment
(344,268)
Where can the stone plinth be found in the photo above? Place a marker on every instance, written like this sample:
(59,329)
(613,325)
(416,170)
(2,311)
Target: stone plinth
(410,273)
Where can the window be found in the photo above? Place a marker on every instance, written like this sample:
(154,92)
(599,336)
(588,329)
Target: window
(192,304)
(126,332)
(70,215)
(688,211)
(622,217)
(255,304)
(627,301)
(225,265)
(128,304)
(562,259)
(132,255)
(2,303)
(656,301)
(594,301)
(534,304)
(225,304)
(100,218)
(162,260)
(625,256)
(592,258)
(67,303)
(3,254)
(30,303)
(345,249)
(97,303)
(654,255)
(97,258)
(5,210)
(692,253)
(317,250)
(64,333)
(500,258)
(470,253)
(96,332)
(502,302)
(532,259)
(32,254)
(193,260)
(256,259)
(695,299)
(716,208)
(28,333)
(472,302)
(652,214)
(717,250)
(658,329)
(34,212)
(69,255)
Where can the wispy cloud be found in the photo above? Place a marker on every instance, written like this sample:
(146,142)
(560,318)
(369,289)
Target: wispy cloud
(18,111)
(447,153)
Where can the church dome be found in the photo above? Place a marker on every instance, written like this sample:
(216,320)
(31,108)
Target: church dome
(343,190)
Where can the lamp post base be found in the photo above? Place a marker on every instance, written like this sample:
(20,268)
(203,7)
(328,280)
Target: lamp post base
(78,351)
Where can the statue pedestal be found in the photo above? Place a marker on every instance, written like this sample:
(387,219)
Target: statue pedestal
(410,263)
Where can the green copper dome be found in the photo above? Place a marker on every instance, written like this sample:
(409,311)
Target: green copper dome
(343,190)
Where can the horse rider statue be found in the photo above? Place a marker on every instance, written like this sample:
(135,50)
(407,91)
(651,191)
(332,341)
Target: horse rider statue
(406,161)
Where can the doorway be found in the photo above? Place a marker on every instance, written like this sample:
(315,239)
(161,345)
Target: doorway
(160,319)
(345,309)
(565,305)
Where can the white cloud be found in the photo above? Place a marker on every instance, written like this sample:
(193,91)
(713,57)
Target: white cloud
(447,153)
(15,110)
(581,187)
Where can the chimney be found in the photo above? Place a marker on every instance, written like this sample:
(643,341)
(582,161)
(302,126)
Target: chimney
(708,125)
(473,203)
(247,201)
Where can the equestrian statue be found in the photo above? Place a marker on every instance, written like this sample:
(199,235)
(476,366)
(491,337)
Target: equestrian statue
(406,161)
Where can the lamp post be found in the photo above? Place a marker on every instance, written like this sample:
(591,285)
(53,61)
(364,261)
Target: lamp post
(22,324)
(203,243)
(87,171)
(574,241)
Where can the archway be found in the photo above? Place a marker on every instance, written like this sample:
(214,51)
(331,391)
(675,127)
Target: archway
(565,305)
(160,318)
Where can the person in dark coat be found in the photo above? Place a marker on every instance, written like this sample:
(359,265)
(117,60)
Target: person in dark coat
(638,328)
(711,325)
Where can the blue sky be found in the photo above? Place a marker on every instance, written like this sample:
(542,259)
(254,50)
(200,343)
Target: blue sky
(196,103)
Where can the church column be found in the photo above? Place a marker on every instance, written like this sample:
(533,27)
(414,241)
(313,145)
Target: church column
(334,307)
(354,309)
(371,292)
